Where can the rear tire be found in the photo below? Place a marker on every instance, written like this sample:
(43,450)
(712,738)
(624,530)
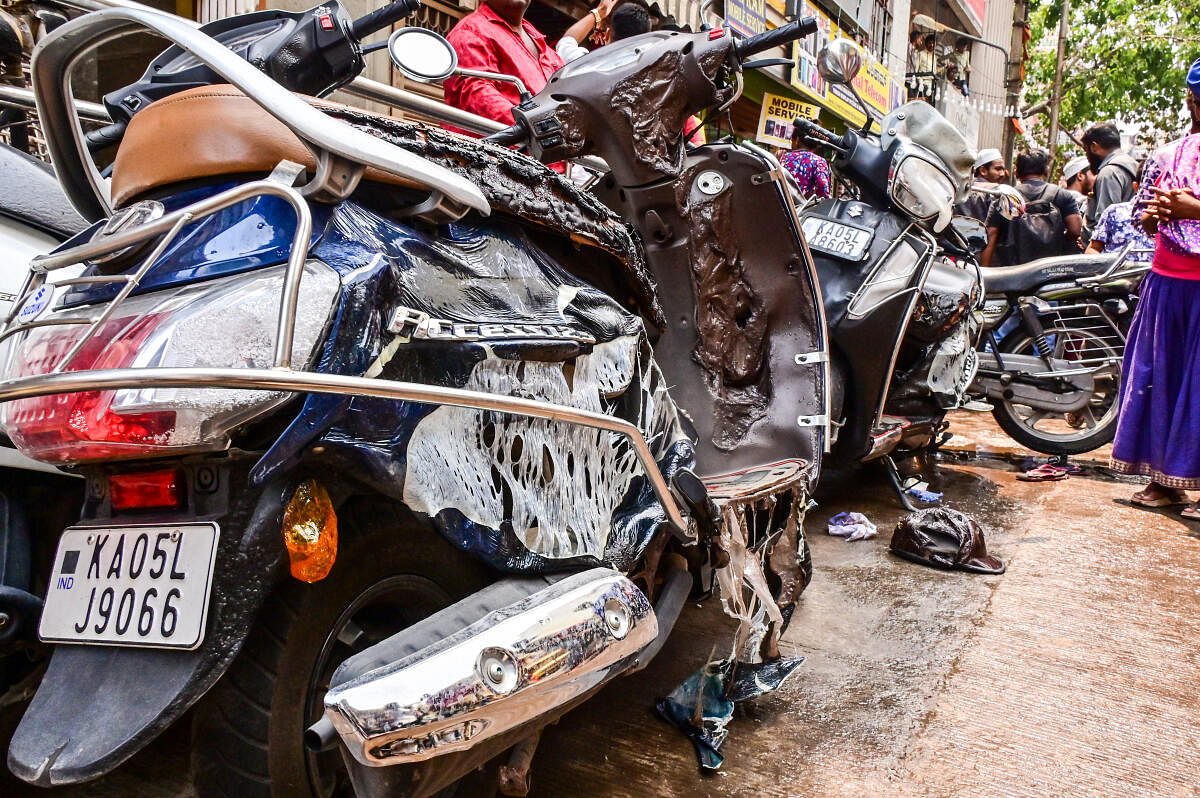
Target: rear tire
(247,733)
(1104,400)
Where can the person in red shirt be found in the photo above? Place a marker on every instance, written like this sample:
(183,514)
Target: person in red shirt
(496,38)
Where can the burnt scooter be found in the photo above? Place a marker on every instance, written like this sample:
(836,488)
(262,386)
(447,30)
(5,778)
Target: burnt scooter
(389,414)
(900,286)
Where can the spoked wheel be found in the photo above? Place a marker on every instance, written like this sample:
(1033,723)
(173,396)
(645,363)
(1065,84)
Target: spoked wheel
(247,735)
(1086,429)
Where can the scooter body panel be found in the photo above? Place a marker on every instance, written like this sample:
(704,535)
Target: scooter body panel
(867,328)
(739,291)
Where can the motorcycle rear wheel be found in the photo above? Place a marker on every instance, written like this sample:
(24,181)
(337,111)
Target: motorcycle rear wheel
(247,733)
(1054,433)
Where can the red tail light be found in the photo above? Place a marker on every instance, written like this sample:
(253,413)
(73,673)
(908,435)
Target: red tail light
(81,426)
(144,490)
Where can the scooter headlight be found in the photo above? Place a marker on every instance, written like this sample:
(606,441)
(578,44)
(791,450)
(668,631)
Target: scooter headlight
(922,190)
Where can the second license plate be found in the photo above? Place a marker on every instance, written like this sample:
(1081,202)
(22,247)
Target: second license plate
(131,585)
(835,238)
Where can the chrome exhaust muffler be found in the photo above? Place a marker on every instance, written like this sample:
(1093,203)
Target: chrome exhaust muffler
(512,666)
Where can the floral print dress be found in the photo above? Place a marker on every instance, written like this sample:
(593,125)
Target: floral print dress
(811,172)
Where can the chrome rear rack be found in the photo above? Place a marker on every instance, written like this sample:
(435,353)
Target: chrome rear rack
(282,377)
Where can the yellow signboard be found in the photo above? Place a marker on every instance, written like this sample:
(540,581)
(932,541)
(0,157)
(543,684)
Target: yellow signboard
(776,118)
(874,83)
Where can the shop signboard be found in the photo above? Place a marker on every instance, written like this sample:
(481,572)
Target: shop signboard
(878,89)
(776,118)
(747,17)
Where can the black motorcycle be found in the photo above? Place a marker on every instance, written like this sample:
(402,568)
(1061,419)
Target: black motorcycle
(1054,342)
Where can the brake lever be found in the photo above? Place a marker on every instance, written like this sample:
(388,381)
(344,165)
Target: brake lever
(766,62)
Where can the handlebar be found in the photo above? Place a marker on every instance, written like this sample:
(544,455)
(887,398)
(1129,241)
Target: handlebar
(381,18)
(784,34)
(514,134)
(105,137)
(811,130)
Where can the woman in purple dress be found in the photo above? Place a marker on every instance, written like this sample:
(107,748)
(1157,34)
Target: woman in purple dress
(1158,434)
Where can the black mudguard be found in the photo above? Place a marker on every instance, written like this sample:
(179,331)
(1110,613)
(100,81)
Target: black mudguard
(99,705)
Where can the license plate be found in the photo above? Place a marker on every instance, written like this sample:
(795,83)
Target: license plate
(837,239)
(131,586)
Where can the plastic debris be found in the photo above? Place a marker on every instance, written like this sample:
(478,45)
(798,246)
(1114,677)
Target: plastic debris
(927,496)
(944,538)
(702,706)
(852,526)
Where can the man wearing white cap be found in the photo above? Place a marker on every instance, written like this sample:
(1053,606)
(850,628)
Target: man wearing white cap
(989,168)
(1078,179)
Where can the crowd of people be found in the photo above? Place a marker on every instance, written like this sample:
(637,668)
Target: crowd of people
(1090,207)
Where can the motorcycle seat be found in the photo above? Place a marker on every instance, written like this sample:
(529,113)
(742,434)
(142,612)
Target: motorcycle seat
(1026,277)
(207,132)
(30,194)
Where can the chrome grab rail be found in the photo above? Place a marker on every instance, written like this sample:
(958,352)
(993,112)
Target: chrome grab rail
(327,138)
(361,87)
(282,377)
(285,379)
(168,226)
(411,101)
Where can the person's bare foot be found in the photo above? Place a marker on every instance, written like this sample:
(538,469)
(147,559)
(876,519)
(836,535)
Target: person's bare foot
(1156,495)
(1191,512)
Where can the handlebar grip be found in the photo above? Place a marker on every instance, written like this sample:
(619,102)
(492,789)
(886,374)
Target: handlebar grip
(811,130)
(104,137)
(514,134)
(380,18)
(784,34)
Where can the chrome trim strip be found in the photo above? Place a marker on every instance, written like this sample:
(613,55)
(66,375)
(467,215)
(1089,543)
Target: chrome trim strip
(513,666)
(24,98)
(285,379)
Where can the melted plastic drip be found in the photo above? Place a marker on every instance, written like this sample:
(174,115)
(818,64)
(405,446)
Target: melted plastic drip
(557,485)
(731,323)
(522,187)
(760,544)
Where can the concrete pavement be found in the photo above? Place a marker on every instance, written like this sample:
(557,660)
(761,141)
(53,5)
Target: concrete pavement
(1075,672)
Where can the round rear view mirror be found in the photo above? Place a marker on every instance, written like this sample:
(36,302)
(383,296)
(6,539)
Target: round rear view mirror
(422,55)
(839,61)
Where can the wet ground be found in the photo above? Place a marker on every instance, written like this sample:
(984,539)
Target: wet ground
(1076,672)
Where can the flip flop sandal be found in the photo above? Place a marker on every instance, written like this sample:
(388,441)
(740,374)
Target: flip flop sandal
(1044,473)
(1164,500)
(1191,512)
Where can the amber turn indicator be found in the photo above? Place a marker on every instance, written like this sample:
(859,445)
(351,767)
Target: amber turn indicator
(310,532)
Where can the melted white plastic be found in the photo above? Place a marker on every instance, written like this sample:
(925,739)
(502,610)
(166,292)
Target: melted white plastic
(559,483)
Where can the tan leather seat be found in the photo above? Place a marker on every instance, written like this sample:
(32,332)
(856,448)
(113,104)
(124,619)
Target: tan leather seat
(208,132)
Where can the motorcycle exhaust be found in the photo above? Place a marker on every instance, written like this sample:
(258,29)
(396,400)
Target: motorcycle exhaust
(543,647)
